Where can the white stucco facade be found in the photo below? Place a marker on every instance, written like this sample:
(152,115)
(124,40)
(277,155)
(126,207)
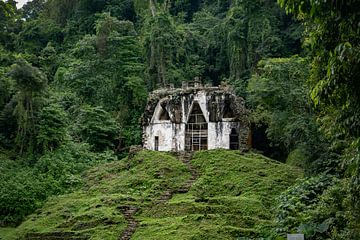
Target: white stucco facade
(167,131)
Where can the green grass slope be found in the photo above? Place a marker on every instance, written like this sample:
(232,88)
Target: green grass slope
(232,197)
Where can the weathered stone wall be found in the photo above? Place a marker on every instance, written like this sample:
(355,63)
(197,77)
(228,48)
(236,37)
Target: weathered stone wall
(171,136)
(219,134)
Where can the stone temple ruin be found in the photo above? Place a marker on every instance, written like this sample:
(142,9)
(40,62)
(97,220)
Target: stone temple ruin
(195,117)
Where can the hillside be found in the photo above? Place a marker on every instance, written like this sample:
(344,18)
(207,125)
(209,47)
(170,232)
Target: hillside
(218,194)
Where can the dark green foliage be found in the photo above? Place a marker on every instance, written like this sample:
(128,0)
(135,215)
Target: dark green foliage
(64,164)
(32,9)
(24,189)
(60,11)
(48,61)
(6,83)
(132,133)
(36,34)
(279,95)
(8,24)
(29,82)
(319,208)
(8,122)
(97,127)
(51,127)
(160,43)
(236,31)
(334,45)
(107,64)
(90,64)
(106,70)
(28,79)
(295,201)
(21,193)
(121,9)
(8,125)
(185,7)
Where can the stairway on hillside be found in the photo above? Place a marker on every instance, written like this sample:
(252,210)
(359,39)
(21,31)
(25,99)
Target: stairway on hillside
(55,236)
(185,157)
(129,211)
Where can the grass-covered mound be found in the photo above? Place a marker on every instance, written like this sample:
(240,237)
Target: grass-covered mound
(232,197)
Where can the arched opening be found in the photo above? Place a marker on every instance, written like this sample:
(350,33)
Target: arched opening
(196,133)
(163,114)
(234,139)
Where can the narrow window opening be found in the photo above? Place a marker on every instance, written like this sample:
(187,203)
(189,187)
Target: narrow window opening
(156,143)
(234,140)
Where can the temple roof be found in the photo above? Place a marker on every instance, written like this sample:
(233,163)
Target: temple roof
(221,102)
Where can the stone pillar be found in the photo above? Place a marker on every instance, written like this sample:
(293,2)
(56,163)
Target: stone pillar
(197,82)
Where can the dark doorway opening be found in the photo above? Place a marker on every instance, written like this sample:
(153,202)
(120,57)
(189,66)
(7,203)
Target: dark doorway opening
(234,140)
(196,133)
(156,143)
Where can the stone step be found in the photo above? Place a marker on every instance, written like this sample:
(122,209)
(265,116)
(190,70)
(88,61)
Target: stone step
(56,235)
(129,212)
(182,190)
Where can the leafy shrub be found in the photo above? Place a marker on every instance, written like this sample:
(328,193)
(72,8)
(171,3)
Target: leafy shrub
(329,218)
(318,208)
(68,161)
(295,202)
(21,192)
(297,157)
(23,189)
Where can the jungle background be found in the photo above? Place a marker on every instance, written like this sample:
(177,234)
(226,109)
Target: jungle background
(75,75)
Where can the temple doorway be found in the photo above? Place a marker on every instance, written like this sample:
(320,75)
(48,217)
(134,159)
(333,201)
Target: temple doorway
(234,140)
(196,132)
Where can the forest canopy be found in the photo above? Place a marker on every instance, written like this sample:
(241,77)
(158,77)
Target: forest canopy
(75,76)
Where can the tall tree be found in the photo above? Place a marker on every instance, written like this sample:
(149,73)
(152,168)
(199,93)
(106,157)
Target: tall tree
(108,64)
(161,41)
(8,24)
(236,25)
(32,9)
(30,82)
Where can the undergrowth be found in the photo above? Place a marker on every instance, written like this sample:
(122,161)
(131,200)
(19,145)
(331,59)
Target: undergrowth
(232,198)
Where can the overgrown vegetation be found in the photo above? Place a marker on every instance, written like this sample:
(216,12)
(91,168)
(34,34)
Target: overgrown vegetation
(233,197)
(25,186)
(74,77)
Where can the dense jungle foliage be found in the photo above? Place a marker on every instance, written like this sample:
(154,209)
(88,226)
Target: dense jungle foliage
(75,74)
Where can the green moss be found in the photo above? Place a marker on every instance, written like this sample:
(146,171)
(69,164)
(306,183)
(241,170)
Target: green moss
(7,233)
(232,198)
(231,173)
